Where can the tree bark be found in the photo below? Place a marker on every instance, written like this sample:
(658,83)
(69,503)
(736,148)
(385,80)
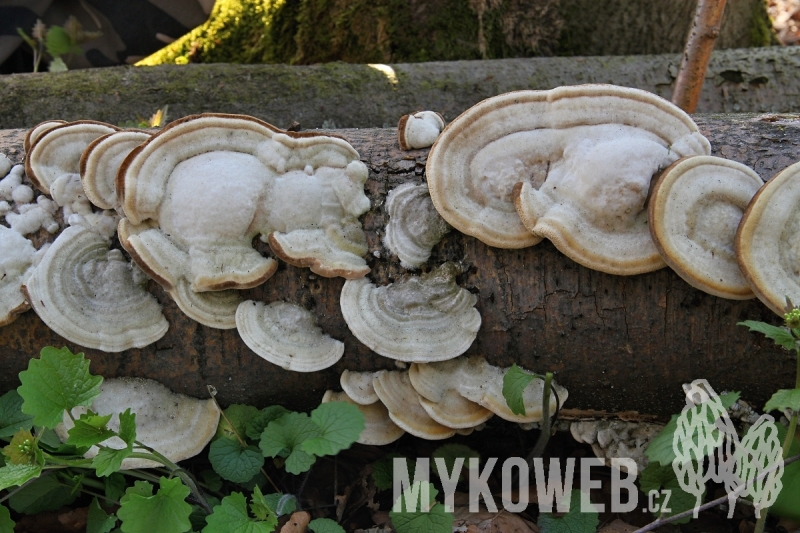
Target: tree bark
(340,95)
(617,343)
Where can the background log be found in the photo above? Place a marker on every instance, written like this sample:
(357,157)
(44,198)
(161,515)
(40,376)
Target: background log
(617,343)
(340,95)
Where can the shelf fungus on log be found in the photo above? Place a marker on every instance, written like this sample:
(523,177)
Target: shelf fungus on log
(91,296)
(287,335)
(57,151)
(398,395)
(437,385)
(175,425)
(694,209)
(33,134)
(768,241)
(379,429)
(16,261)
(414,227)
(358,386)
(197,193)
(420,319)
(101,161)
(419,130)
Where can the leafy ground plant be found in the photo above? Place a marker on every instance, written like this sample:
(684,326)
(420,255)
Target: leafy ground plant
(41,473)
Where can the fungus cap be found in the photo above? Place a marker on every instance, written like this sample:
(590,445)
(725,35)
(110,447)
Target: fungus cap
(420,319)
(58,151)
(523,137)
(358,386)
(16,260)
(91,296)
(175,425)
(379,429)
(414,225)
(419,130)
(395,391)
(768,241)
(695,208)
(101,161)
(287,335)
(33,134)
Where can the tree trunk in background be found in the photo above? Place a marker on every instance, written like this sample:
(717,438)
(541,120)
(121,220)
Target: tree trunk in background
(617,343)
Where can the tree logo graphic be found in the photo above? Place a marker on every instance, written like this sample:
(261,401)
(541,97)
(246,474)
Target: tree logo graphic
(706,431)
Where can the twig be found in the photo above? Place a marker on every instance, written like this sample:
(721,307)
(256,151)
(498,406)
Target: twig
(544,436)
(660,521)
(702,36)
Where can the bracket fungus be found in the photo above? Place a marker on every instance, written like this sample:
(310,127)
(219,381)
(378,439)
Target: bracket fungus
(419,130)
(57,151)
(379,429)
(198,192)
(101,161)
(91,296)
(768,241)
(358,386)
(287,335)
(695,208)
(16,260)
(415,226)
(585,155)
(398,395)
(175,425)
(37,131)
(437,385)
(420,319)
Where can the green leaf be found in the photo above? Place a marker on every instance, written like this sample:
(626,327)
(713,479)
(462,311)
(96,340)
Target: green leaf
(98,521)
(15,475)
(12,419)
(282,503)
(22,450)
(48,439)
(574,521)
(107,461)
(435,520)
(234,463)
(325,525)
(514,383)
(341,424)
(660,448)
(231,517)
(657,477)
(89,430)
(57,381)
(127,427)
(261,508)
(235,421)
(57,65)
(114,486)
(283,438)
(784,399)
(383,470)
(6,524)
(58,42)
(451,452)
(164,512)
(212,480)
(44,494)
(781,336)
(256,424)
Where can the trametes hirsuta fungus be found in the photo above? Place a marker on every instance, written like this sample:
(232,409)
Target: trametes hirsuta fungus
(585,156)
(287,335)
(175,425)
(379,429)
(617,438)
(37,131)
(16,261)
(419,319)
(358,386)
(414,225)
(92,296)
(768,241)
(419,130)
(695,207)
(100,162)
(395,391)
(437,385)
(57,151)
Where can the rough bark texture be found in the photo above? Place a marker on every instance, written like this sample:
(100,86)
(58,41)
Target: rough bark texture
(617,343)
(358,96)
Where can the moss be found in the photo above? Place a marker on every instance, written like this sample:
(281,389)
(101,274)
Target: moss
(761,30)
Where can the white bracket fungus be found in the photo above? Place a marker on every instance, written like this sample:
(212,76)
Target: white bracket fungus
(694,210)
(101,161)
(768,241)
(38,130)
(358,386)
(287,335)
(414,225)
(419,130)
(175,425)
(16,259)
(437,385)
(395,391)
(379,429)
(91,296)
(585,155)
(57,151)
(420,319)
(617,438)
(198,192)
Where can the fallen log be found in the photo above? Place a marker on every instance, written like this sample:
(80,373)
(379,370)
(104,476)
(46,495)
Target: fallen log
(617,343)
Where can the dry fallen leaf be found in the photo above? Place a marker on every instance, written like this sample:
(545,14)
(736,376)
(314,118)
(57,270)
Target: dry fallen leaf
(297,523)
(486,522)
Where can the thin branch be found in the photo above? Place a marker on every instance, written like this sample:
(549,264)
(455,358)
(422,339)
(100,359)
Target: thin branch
(660,521)
(702,36)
